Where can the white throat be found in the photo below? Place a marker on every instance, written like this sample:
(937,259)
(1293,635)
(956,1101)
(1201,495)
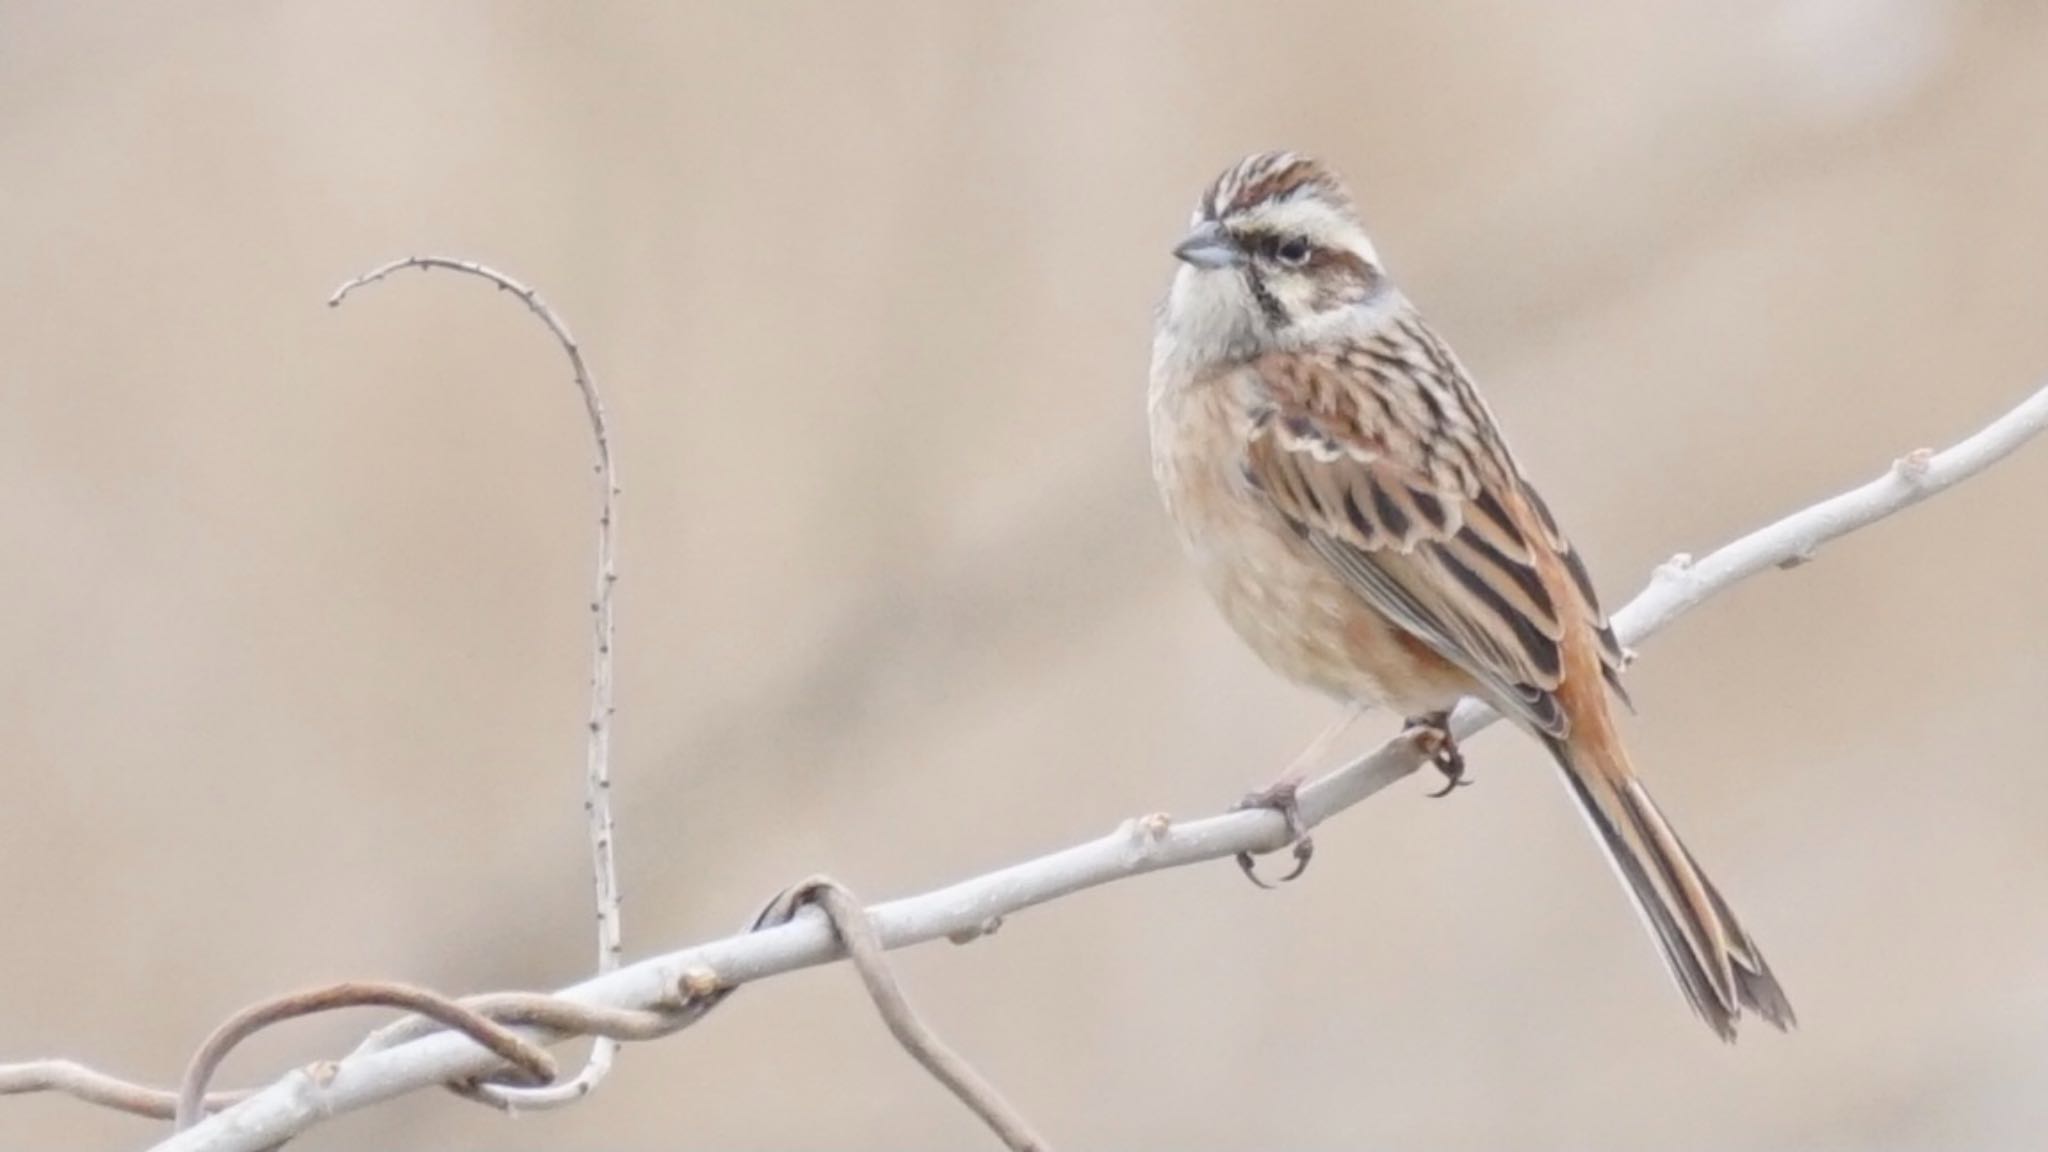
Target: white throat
(1210,319)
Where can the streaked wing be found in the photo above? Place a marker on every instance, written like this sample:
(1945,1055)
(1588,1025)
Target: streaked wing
(1403,488)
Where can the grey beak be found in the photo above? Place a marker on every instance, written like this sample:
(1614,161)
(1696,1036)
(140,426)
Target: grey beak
(1209,246)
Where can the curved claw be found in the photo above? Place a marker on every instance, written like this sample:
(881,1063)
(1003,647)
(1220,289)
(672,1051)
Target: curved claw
(1303,849)
(1452,782)
(1281,798)
(1435,731)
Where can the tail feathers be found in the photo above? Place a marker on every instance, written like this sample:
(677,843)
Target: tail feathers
(1716,964)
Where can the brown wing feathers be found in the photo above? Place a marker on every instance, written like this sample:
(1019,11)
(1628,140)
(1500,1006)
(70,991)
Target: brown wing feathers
(1411,514)
(1434,527)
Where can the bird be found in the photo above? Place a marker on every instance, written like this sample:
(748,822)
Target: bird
(1348,500)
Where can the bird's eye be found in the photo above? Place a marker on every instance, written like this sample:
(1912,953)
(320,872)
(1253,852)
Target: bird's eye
(1292,251)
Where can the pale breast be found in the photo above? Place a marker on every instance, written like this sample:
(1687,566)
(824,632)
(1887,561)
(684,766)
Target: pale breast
(1287,604)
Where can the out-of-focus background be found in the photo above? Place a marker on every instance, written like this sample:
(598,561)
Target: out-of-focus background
(294,640)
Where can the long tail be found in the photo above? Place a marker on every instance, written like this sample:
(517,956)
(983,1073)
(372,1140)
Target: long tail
(1716,964)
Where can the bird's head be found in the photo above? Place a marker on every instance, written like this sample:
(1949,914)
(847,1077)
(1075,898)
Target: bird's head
(1275,255)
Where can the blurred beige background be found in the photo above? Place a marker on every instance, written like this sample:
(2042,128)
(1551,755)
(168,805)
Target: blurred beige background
(294,646)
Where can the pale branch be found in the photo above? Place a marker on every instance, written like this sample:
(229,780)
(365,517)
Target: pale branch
(1149,844)
(478,1015)
(536,1063)
(597,783)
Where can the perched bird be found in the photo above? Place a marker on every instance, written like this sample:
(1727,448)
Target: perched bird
(1350,504)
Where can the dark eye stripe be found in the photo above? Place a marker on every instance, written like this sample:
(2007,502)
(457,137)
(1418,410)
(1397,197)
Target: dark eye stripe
(1341,276)
(1268,245)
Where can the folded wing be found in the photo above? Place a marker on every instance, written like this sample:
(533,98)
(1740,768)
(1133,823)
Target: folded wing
(1398,486)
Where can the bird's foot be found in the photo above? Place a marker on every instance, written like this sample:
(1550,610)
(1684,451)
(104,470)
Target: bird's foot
(1281,796)
(1432,733)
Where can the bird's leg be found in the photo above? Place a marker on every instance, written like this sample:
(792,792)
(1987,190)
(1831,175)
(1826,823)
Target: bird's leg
(1282,796)
(1432,731)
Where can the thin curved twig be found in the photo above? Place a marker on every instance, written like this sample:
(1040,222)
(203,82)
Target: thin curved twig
(1143,845)
(597,791)
(530,1059)
(864,949)
(95,1087)
(512,1009)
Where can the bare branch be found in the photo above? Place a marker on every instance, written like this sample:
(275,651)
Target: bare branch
(597,784)
(1143,845)
(506,1045)
(864,949)
(697,994)
(1681,583)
